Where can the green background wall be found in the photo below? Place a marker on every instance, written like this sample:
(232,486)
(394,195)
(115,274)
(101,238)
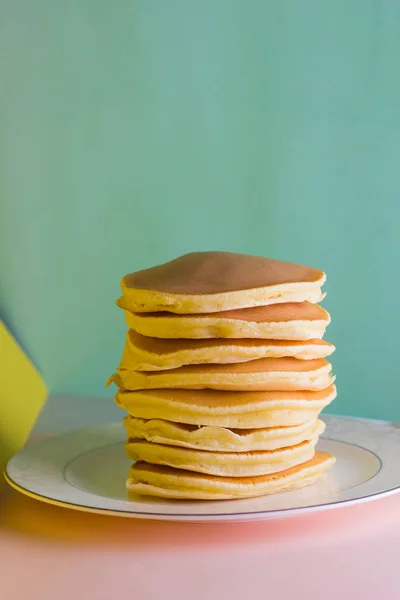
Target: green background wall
(135,131)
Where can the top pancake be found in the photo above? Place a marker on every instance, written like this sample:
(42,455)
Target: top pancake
(219,272)
(215,281)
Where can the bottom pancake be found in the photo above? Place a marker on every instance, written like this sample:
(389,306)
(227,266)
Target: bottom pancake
(166,482)
(225,464)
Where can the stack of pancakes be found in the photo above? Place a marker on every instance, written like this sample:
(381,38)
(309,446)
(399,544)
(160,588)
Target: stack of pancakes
(223,376)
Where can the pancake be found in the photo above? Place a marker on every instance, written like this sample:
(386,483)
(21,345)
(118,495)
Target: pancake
(224,464)
(264,374)
(220,439)
(237,410)
(206,282)
(166,482)
(143,353)
(289,321)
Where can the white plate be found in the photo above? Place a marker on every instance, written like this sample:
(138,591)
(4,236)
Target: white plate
(86,470)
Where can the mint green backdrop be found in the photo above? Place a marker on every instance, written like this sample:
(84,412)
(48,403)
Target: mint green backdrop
(135,131)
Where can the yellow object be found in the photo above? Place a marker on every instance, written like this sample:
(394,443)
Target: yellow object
(22,395)
(166,482)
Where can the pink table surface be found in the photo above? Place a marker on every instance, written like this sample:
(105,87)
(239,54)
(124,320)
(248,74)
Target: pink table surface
(52,553)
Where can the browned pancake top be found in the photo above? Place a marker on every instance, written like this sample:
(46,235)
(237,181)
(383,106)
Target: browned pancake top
(273,313)
(143,467)
(217,272)
(165,346)
(215,398)
(260,365)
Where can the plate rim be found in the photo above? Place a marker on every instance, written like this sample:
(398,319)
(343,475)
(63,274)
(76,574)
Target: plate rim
(193,518)
(211,517)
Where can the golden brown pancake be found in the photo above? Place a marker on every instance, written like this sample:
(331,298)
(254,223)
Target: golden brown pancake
(226,464)
(143,353)
(289,321)
(221,439)
(237,410)
(167,482)
(263,374)
(223,376)
(214,281)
